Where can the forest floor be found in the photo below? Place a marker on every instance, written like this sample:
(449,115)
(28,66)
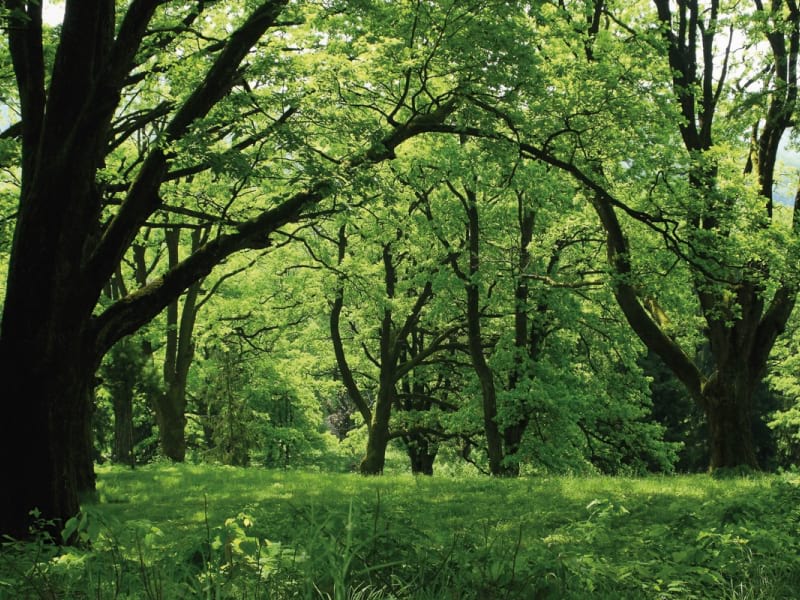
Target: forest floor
(183,531)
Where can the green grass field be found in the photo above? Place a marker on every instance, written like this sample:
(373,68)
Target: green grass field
(218,532)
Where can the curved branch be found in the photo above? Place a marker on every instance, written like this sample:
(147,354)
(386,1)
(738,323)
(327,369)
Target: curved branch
(142,199)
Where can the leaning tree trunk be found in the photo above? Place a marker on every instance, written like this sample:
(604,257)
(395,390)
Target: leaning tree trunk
(378,438)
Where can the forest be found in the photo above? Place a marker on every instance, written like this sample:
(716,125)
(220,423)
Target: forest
(452,254)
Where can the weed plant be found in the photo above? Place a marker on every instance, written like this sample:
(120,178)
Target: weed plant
(172,532)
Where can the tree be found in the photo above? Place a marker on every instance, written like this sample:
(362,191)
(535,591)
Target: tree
(745,301)
(524,253)
(84,196)
(650,113)
(407,291)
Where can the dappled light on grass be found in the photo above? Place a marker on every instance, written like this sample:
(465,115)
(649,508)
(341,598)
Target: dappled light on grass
(464,537)
(223,532)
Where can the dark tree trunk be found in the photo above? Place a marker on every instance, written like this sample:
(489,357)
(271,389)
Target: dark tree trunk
(727,399)
(171,419)
(120,378)
(120,375)
(65,251)
(84,443)
(494,439)
(378,438)
(171,406)
(123,428)
(730,433)
(392,341)
(46,429)
(421,447)
(422,454)
(512,439)
(527,344)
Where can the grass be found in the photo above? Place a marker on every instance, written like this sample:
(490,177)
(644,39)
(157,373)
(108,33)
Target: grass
(219,532)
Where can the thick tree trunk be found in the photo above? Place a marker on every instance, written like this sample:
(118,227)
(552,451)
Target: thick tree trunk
(171,419)
(46,428)
(728,404)
(421,453)
(83,440)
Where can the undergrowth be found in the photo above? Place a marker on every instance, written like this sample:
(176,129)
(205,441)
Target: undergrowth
(170,532)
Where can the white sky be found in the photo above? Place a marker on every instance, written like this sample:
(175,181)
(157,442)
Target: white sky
(53,11)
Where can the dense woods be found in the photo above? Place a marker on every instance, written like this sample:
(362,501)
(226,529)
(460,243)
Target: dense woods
(506,237)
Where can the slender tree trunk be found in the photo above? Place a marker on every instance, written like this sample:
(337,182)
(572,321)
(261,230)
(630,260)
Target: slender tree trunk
(171,406)
(527,344)
(123,428)
(494,439)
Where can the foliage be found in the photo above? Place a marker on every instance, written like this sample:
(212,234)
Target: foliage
(785,420)
(221,532)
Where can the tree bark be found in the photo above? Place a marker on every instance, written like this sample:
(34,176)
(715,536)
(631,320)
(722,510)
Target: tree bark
(170,407)
(730,421)
(378,437)
(123,428)
(727,399)
(420,446)
(494,439)
(422,454)
(120,378)
(527,341)
(46,429)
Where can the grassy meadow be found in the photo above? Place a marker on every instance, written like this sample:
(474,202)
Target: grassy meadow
(182,531)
